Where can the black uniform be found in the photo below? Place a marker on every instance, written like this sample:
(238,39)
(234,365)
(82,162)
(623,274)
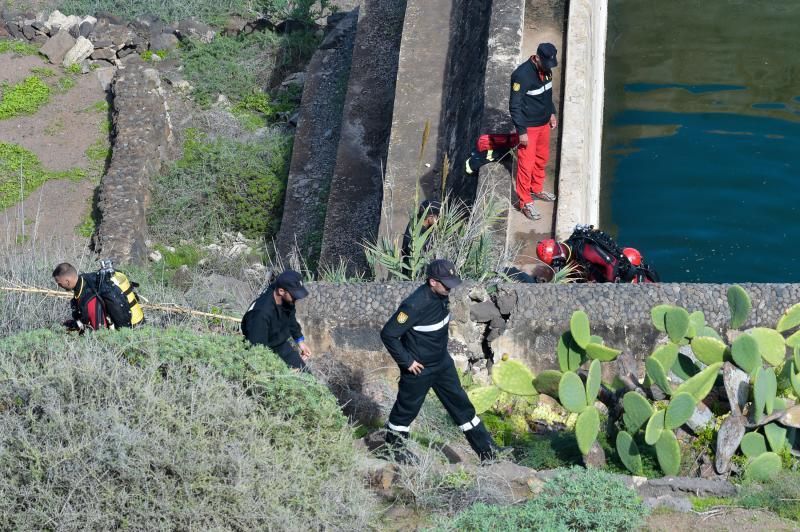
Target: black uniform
(531,99)
(266,323)
(418,331)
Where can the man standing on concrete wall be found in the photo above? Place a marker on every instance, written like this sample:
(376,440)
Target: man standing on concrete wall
(416,336)
(534,115)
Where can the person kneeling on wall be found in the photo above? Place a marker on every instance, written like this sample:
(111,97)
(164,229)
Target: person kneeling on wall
(416,336)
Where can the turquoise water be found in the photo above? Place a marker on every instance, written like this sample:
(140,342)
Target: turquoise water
(701,154)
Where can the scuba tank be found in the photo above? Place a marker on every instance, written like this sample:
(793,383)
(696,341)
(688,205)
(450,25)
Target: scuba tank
(122,303)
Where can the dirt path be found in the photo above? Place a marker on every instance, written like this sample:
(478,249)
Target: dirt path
(59,134)
(544,22)
(734,519)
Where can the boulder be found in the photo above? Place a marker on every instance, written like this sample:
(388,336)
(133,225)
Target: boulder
(791,418)
(58,21)
(669,502)
(105,76)
(701,418)
(699,487)
(103,53)
(163,41)
(28,31)
(728,439)
(219,291)
(508,481)
(737,386)
(82,50)
(57,47)
(86,26)
(483,312)
(596,459)
(194,29)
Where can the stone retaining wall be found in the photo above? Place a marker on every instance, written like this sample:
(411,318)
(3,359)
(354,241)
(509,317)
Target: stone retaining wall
(143,141)
(346,319)
(581,141)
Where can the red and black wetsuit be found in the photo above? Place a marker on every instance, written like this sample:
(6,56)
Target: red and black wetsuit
(86,304)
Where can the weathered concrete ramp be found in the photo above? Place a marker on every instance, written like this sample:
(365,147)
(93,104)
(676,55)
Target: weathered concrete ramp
(316,141)
(419,92)
(354,202)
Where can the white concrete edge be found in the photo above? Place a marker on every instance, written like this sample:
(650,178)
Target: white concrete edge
(582,116)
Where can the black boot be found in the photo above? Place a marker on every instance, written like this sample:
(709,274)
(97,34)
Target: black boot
(482,443)
(396,448)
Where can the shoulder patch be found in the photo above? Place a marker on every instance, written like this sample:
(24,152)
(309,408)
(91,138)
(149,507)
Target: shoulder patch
(402,317)
(516,87)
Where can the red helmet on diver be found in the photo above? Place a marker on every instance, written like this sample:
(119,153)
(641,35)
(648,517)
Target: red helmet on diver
(633,256)
(549,250)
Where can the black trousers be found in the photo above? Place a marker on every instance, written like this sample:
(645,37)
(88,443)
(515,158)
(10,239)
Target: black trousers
(412,390)
(289,354)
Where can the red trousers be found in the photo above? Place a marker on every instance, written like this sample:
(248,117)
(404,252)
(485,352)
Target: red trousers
(531,159)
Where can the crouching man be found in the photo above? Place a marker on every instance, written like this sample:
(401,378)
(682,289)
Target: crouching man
(270,321)
(416,337)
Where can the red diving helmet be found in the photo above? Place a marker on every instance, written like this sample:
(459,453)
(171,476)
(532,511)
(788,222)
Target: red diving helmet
(633,256)
(550,251)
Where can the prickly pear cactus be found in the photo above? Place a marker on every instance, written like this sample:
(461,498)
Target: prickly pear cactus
(637,411)
(708,350)
(513,377)
(680,409)
(658,374)
(771,345)
(676,321)
(667,354)
(571,393)
(668,453)
(702,383)
(547,381)
(628,452)
(601,352)
(776,436)
(753,445)
(483,398)
(745,353)
(739,304)
(790,319)
(593,382)
(764,467)
(586,429)
(570,354)
(764,390)
(654,428)
(579,327)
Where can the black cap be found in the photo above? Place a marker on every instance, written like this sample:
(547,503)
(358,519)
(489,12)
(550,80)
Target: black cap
(546,53)
(445,272)
(292,282)
(432,206)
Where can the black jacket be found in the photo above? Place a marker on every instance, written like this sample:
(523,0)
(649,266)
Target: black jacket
(418,330)
(531,100)
(266,323)
(96,300)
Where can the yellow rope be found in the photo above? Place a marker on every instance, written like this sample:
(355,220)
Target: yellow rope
(164,308)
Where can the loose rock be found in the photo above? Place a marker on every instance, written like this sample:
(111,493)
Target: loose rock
(82,50)
(56,48)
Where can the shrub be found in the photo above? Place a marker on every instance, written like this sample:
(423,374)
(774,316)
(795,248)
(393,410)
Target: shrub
(23,98)
(174,441)
(575,499)
(780,495)
(222,185)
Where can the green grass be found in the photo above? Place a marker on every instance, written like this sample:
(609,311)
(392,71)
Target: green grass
(21,172)
(18,47)
(701,504)
(23,98)
(87,226)
(99,151)
(66,83)
(44,72)
(780,495)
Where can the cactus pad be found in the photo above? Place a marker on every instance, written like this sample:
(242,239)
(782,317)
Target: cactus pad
(698,320)
(547,381)
(586,429)
(637,411)
(771,345)
(668,453)
(764,467)
(708,350)
(680,409)
(739,305)
(513,377)
(753,445)
(764,389)
(684,367)
(795,380)
(676,321)
(790,319)
(658,374)
(601,352)
(593,381)
(776,436)
(745,353)
(579,327)
(571,392)
(708,331)
(794,340)
(658,314)
(483,398)
(628,452)
(655,426)
(570,354)
(667,354)
(699,385)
